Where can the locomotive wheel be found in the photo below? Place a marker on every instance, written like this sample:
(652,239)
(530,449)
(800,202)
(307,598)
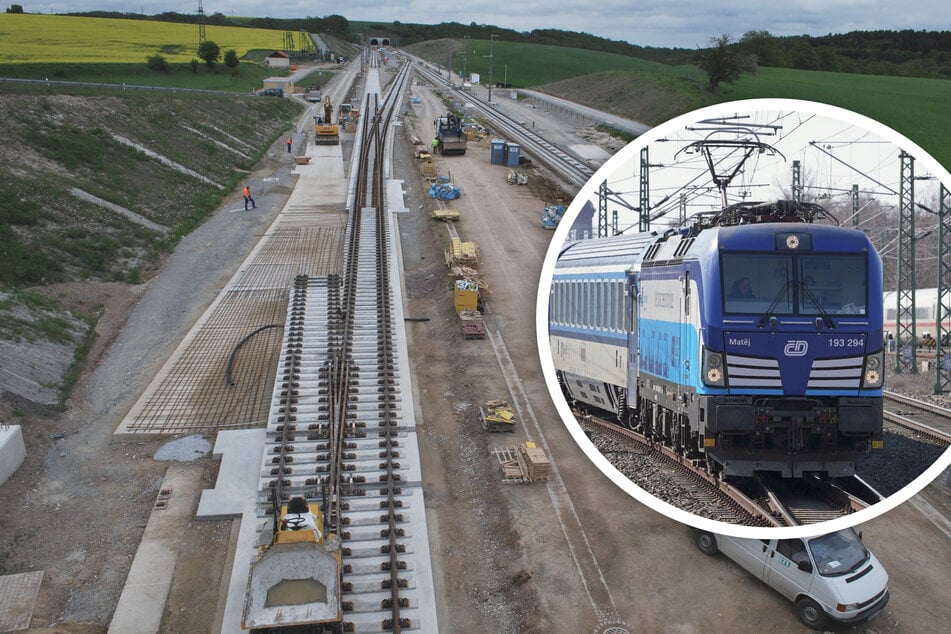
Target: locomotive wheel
(810,613)
(706,543)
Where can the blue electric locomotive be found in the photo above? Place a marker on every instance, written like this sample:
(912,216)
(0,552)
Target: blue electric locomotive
(751,340)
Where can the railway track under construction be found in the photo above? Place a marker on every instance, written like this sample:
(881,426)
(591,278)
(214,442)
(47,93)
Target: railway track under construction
(339,433)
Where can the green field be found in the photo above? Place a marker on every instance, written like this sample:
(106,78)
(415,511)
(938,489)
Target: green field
(34,38)
(917,108)
(652,93)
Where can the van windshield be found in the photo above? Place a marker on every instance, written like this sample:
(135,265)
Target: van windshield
(838,554)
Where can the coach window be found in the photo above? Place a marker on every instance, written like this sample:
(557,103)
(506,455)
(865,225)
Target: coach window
(601,319)
(611,301)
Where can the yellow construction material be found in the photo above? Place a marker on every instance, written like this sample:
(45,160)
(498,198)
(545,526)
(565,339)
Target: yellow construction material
(445,215)
(497,416)
(465,295)
(459,253)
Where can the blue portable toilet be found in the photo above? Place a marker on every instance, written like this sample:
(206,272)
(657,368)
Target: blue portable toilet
(512,154)
(497,156)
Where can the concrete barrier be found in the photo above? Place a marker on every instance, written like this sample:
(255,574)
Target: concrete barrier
(12,451)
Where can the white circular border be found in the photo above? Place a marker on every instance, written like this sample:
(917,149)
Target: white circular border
(544,346)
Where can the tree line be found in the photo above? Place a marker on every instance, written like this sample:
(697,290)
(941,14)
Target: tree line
(904,52)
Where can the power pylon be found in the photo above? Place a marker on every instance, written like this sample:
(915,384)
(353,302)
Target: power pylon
(201,24)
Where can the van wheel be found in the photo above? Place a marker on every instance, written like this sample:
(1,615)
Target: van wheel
(706,543)
(810,613)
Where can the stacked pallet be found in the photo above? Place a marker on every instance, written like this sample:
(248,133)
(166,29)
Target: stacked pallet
(525,463)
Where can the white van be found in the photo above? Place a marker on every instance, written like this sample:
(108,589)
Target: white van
(830,577)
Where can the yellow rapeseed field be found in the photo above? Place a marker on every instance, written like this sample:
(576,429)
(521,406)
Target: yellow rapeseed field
(35,38)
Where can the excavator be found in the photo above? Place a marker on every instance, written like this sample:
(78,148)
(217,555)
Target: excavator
(326,132)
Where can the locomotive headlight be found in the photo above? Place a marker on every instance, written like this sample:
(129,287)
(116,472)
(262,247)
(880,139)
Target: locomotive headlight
(873,377)
(713,368)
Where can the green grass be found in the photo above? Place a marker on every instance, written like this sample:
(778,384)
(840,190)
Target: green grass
(917,108)
(527,65)
(245,78)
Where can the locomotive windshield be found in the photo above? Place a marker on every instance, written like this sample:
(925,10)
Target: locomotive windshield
(794,284)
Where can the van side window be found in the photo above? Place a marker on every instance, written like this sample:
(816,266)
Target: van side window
(793,550)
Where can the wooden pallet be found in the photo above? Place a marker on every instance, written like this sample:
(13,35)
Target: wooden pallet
(473,329)
(525,463)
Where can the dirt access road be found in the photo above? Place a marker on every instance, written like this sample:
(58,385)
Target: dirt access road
(571,555)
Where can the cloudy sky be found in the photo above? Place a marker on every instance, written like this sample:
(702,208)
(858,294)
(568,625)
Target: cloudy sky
(680,23)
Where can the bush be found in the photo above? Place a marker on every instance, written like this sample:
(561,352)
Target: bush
(157,62)
(231,58)
(210,52)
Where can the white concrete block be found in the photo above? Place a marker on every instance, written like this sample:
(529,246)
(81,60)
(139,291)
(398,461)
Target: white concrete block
(12,451)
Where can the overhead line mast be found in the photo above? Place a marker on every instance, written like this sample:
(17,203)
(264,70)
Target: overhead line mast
(201,24)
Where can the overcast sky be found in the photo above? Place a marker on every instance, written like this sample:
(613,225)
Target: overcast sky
(677,23)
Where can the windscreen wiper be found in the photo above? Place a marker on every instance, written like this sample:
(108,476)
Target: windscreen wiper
(826,319)
(772,306)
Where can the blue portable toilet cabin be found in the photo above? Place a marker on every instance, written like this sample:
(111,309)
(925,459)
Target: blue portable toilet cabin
(497,156)
(512,154)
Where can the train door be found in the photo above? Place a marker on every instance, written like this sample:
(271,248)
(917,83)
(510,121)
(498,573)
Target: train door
(681,355)
(630,318)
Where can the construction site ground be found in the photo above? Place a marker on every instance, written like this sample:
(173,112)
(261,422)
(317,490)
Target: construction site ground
(572,553)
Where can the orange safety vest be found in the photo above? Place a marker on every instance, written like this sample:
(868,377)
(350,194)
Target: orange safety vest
(247,192)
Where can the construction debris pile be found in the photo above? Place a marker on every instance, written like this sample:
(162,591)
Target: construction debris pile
(443,189)
(497,416)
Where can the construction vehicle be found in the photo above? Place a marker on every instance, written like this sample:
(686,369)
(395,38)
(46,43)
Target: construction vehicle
(348,116)
(451,137)
(296,580)
(326,132)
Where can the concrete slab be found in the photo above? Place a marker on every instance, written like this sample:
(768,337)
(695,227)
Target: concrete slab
(235,495)
(17,598)
(240,452)
(12,451)
(590,152)
(394,196)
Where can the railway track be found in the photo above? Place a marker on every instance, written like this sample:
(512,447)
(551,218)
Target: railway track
(338,431)
(563,165)
(930,422)
(761,501)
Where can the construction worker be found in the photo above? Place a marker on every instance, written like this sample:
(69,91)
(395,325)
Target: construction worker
(289,141)
(435,145)
(248,199)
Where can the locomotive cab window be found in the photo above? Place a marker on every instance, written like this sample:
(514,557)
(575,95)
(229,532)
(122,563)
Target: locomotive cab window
(805,284)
